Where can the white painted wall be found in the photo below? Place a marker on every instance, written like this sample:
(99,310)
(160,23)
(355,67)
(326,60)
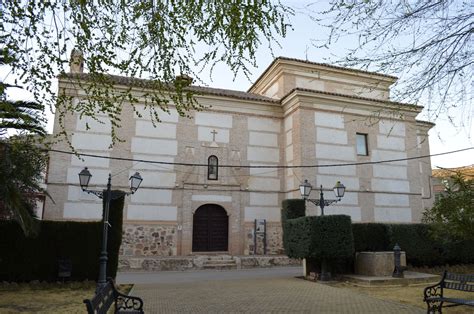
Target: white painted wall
(268,213)
(387,214)
(213,119)
(264,124)
(331,120)
(326,135)
(83,210)
(152,212)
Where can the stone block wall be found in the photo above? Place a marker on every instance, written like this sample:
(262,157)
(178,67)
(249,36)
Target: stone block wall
(149,240)
(274,239)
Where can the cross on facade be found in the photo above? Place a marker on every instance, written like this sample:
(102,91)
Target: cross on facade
(214,132)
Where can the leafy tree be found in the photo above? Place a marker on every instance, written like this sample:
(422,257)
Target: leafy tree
(427,43)
(22,164)
(23,116)
(453,212)
(157,40)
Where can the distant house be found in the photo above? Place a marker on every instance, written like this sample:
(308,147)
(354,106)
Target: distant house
(442,177)
(296,113)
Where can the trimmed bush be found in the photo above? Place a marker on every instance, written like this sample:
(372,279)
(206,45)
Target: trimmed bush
(297,236)
(459,252)
(292,208)
(26,259)
(331,238)
(115,235)
(416,241)
(370,237)
(421,247)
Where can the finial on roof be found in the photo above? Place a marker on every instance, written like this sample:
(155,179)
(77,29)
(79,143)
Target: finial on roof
(76,63)
(184,80)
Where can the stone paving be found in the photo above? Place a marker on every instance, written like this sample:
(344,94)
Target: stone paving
(266,294)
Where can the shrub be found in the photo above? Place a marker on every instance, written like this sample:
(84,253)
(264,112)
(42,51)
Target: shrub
(115,235)
(331,238)
(370,237)
(297,237)
(415,240)
(292,208)
(26,259)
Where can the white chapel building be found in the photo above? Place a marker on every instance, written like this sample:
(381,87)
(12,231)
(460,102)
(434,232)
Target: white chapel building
(296,113)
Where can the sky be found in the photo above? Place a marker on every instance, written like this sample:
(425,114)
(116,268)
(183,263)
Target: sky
(298,44)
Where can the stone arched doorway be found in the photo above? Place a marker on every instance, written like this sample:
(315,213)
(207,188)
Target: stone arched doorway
(210,229)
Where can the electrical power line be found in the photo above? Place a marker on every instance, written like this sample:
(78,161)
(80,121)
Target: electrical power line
(258,166)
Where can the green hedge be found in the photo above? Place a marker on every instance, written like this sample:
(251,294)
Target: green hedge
(115,235)
(297,236)
(370,237)
(331,238)
(317,237)
(293,208)
(415,240)
(26,259)
(421,248)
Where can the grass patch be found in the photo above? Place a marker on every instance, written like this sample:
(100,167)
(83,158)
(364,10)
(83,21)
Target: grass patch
(48,297)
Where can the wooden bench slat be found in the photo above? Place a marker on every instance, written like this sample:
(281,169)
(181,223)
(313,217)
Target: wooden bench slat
(459,286)
(460,277)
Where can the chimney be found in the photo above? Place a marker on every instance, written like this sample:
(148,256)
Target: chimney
(76,63)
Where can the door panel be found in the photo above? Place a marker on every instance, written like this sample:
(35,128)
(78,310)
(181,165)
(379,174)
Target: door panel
(210,229)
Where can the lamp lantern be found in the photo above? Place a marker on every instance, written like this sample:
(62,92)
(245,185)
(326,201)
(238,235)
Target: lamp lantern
(84,178)
(305,189)
(135,182)
(339,190)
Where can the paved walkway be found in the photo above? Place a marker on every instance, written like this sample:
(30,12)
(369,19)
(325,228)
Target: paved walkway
(273,290)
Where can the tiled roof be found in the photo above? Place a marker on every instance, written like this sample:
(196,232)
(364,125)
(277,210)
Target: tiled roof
(467,171)
(130,81)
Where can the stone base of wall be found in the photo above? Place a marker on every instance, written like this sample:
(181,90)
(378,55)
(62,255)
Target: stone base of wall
(148,240)
(266,261)
(144,263)
(274,239)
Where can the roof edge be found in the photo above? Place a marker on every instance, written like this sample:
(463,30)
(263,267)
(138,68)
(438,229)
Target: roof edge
(299,89)
(334,67)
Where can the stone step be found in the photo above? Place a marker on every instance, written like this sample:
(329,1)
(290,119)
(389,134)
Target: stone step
(219,262)
(220,258)
(220,266)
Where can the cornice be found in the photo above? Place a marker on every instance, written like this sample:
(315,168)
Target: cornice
(279,63)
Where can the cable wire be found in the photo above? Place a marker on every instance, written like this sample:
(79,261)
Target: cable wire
(259,166)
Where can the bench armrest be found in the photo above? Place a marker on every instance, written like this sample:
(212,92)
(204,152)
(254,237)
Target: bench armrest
(125,302)
(433,291)
(128,302)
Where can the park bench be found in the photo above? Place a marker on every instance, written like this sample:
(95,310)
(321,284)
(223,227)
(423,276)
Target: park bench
(434,295)
(109,295)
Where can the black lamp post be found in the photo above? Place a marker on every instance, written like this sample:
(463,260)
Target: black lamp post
(84,178)
(305,190)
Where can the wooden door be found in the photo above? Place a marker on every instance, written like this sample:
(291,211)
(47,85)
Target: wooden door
(210,229)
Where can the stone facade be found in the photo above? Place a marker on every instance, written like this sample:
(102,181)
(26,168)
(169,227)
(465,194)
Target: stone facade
(298,113)
(274,240)
(149,240)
